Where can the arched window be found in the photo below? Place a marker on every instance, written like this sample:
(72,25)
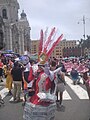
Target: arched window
(4,13)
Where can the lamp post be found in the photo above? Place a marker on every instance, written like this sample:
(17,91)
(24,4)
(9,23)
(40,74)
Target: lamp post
(84,28)
(84,35)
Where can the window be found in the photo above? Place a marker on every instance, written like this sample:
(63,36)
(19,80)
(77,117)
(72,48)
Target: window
(57,50)
(4,13)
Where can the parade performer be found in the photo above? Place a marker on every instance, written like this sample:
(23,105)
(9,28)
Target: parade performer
(45,50)
(42,103)
(43,84)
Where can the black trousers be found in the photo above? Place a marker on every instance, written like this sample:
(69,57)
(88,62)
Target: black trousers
(26,74)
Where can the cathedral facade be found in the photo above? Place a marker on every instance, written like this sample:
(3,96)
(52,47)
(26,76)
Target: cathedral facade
(14,31)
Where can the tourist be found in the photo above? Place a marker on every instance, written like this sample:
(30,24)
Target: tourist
(17,80)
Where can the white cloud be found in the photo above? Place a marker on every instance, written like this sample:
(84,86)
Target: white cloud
(63,14)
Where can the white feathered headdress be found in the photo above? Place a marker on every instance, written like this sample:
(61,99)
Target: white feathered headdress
(46,46)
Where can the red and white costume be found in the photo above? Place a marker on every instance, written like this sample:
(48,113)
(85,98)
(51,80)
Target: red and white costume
(43,84)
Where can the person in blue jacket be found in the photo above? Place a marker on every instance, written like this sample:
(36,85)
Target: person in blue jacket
(74,75)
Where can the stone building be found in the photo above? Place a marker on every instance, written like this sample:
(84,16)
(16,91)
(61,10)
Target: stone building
(14,32)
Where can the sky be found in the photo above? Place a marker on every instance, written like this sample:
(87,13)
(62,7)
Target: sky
(65,15)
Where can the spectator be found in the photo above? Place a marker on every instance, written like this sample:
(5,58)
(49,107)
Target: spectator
(86,78)
(63,68)
(74,75)
(52,68)
(17,80)
(60,87)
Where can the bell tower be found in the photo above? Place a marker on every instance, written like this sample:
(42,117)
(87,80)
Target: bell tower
(9,14)
(9,10)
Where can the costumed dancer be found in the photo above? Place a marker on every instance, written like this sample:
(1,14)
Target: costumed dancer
(43,83)
(42,103)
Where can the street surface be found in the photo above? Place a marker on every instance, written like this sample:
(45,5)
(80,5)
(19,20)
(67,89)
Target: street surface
(76,104)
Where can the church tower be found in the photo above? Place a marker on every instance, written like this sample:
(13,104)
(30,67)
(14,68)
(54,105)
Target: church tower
(14,32)
(24,29)
(9,10)
(9,14)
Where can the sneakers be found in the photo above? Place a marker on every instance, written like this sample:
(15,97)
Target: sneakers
(58,104)
(12,100)
(23,104)
(18,100)
(2,101)
(61,105)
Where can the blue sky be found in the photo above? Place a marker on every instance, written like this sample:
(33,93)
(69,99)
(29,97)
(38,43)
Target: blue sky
(62,14)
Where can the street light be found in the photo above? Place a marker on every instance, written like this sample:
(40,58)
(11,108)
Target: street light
(84,32)
(84,25)
(84,29)
(84,35)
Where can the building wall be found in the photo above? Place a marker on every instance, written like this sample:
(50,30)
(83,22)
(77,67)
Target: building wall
(34,46)
(58,51)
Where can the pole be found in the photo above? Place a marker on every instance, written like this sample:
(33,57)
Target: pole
(84,27)
(81,46)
